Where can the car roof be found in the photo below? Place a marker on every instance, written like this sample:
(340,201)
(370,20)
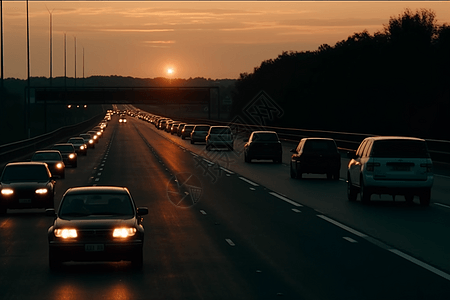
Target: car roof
(96,190)
(63,144)
(26,163)
(47,151)
(317,138)
(379,138)
(264,131)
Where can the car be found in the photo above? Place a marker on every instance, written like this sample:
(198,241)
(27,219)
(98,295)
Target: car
(316,156)
(26,185)
(174,128)
(180,128)
(263,145)
(122,119)
(186,131)
(219,137)
(95,135)
(392,165)
(54,161)
(88,140)
(161,124)
(199,133)
(68,153)
(79,144)
(96,223)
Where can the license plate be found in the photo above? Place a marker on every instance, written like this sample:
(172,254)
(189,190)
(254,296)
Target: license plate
(94,247)
(24,200)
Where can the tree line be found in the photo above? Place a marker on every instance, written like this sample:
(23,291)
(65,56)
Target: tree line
(393,82)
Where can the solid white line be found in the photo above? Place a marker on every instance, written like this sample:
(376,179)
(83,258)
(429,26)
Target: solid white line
(443,205)
(98,174)
(230,242)
(101,169)
(285,199)
(228,171)
(97,179)
(203,212)
(421,264)
(343,226)
(194,154)
(296,210)
(248,181)
(437,175)
(253,189)
(349,239)
(210,162)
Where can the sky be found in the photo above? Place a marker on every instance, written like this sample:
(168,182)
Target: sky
(210,39)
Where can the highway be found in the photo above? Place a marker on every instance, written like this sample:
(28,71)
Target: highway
(221,229)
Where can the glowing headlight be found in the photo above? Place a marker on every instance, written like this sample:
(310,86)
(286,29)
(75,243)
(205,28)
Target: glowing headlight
(95,137)
(81,147)
(7,192)
(66,233)
(71,155)
(41,191)
(91,141)
(59,165)
(99,133)
(124,232)
(124,120)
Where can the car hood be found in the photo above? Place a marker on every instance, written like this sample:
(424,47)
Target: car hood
(24,185)
(94,222)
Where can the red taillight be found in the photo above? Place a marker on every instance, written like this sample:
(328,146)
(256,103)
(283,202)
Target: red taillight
(429,167)
(370,167)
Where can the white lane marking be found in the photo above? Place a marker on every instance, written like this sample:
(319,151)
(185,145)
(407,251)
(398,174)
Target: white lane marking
(98,174)
(209,162)
(194,154)
(97,179)
(102,165)
(253,189)
(296,210)
(228,175)
(248,181)
(230,242)
(421,264)
(285,199)
(228,171)
(203,212)
(351,230)
(101,169)
(349,239)
(443,205)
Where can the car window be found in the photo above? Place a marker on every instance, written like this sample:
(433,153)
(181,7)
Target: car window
(220,130)
(265,136)
(46,156)
(25,173)
(313,146)
(96,204)
(400,148)
(75,141)
(201,128)
(64,148)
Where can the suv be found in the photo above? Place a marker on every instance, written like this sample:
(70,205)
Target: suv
(390,165)
(219,136)
(316,155)
(199,133)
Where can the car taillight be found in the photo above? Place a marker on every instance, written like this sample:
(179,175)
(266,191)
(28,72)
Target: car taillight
(370,167)
(428,166)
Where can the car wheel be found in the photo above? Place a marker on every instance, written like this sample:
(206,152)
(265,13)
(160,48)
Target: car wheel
(247,159)
(277,160)
(54,261)
(182,137)
(351,190)
(336,175)
(63,175)
(329,176)
(192,142)
(425,197)
(2,210)
(75,165)
(293,175)
(364,192)
(137,261)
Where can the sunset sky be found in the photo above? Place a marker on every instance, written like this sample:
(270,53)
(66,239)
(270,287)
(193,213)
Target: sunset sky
(194,39)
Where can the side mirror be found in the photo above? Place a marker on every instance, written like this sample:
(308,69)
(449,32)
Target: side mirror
(50,212)
(293,151)
(142,211)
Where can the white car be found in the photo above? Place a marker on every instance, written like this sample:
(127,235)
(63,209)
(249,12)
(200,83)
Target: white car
(219,136)
(391,165)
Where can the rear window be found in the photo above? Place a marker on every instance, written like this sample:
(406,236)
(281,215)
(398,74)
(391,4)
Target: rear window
(202,128)
(25,173)
(75,141)
(96,204)
(220,130)
(46,156)
(64,148)
(265,136)
(400,148)
(314,146)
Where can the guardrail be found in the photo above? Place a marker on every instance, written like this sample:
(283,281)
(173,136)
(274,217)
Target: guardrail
(14,150)
(346,141)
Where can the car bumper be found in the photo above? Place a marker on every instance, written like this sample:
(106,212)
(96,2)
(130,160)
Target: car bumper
(391,186)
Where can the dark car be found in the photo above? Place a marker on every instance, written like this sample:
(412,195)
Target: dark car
(88,140)
(26,185)
(53,159)
(199,133)
(186,131)
(263,145)
(180,128)
(79,144)
(219,137)
(68,153)
(95,135)
(96,223)
(316,156)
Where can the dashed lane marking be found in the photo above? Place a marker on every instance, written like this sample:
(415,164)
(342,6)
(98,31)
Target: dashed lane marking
(286,199)
(248,181)
(230,242)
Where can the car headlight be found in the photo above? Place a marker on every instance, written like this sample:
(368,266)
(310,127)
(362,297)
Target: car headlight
(59,165)
(7,191)
(124,232)
(95,137)
(125,120)
(41,191)
(91,141)
(99,133)
(66,233)
(81,147)
(71,156)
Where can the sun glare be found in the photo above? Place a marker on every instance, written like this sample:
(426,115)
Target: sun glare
(170,71)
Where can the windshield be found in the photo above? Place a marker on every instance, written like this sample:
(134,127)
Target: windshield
(76,141)
(64,148)
(96,204)
(400,148)
(265,136)
(201,128)
(25,173)
(220,130)
(313,146)
(46,156)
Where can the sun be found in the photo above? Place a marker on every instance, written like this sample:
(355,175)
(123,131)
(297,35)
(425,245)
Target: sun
(170,71)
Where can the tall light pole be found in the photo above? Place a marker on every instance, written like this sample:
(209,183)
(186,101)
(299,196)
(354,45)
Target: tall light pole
(65,61)
(75,42)
(51,45)
(1,38)
(28,75)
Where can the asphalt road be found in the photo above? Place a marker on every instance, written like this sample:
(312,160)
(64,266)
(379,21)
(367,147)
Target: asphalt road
(221,229)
